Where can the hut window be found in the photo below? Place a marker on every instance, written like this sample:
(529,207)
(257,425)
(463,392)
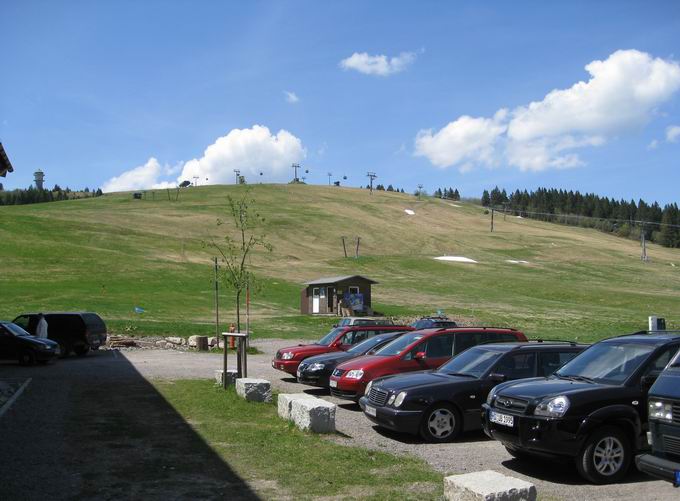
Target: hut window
(354,290)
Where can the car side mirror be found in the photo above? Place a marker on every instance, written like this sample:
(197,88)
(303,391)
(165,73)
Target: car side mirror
(648,380)
(497,378)
(419,356)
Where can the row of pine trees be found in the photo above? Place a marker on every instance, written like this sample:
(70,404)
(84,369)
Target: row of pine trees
(33,195)
(592,211)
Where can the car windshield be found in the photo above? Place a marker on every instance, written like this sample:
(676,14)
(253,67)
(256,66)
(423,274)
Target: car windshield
(330,337)
(607,363)
(399,344)
(473,362)
(15,329)
(345,321)
(365,346)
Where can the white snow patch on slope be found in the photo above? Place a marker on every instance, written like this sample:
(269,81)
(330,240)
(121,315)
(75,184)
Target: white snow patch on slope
(457,259)
(409,212)
(516,261)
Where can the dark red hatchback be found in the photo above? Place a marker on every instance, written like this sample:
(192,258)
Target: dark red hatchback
(339,339)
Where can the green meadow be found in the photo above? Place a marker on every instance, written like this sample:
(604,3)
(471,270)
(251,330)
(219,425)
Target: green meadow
(112,254)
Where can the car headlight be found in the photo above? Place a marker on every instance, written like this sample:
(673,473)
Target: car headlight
(368,388)
(316,366)
(355,374)
(400,399)
(287,355)
(660,410)
(491,396)
(552,407)
(391,399)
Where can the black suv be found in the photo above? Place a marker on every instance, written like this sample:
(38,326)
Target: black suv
(316,371)
(17,344)
(593,410)
(74,331)
(442,403)
(664,426)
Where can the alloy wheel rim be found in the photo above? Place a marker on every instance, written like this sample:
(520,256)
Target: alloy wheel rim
(608,456)
(441,423)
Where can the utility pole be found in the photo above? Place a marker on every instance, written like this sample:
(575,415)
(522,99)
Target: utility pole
(643,243)
(420,190)
(491,220)
(238,173)
(372,176)
(295,168)
(329,178)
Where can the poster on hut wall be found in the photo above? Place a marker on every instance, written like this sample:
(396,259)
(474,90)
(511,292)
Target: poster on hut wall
(355,301)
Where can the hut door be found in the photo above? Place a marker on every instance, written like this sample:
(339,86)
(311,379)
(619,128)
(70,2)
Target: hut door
(330,296)
(315,300)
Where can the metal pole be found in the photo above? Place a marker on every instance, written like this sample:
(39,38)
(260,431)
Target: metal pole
(246,343)
(217,300)
(224,362)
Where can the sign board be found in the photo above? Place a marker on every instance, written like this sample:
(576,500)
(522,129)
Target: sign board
(235,334)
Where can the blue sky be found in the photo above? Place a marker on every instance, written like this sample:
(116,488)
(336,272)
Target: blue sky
(91,90)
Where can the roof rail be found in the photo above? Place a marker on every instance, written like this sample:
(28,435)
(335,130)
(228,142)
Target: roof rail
(541,340)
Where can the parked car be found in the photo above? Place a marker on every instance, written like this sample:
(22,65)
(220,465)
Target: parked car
(317,370)
(435,322)
(593,410)
(338,339)
(347,321)
(440,404)
(74,331)
(664,426)
(414,351)
(17,344)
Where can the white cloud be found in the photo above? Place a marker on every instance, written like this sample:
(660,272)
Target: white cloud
(623,93)
(251,151)
(141,177)
(291,97)
(673,133)
(653,144)
(380,64)
(466,141)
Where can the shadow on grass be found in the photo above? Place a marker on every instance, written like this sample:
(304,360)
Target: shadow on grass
(99,429)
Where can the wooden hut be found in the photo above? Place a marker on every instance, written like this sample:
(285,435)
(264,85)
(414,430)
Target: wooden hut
(321,296)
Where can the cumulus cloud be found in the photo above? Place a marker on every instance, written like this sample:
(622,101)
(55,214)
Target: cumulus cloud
(673,133)
(141,177)
(379,64)
(291,97)
(622,93)
(251,151)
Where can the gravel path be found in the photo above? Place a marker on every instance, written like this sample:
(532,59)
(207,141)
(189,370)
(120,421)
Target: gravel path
(54,393)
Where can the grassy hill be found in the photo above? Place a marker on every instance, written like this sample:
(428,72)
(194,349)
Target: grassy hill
(113,253)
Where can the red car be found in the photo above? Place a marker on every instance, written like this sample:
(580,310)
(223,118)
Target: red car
(415,351)
(339,339)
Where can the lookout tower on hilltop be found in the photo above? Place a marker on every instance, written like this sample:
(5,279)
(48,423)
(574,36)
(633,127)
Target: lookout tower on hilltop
(39,178)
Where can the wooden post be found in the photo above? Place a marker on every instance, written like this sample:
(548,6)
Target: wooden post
(344,247)
(202,343)
(357,249)
(491,220)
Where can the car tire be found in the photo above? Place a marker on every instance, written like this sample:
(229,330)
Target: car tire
(43,362)
(64,349)
(606,456)
(81,350)
(519,454)
(441,423)
(26,357)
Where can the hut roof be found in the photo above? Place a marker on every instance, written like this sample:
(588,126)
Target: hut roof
(334,280)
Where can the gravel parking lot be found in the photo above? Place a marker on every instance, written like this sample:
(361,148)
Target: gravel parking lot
(472,453)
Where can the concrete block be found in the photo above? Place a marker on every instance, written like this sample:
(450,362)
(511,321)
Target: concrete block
(212,341)
(254,390)
(487,485)
(285,401)
(193,341)
(231,377)
(313,414)
(176,340)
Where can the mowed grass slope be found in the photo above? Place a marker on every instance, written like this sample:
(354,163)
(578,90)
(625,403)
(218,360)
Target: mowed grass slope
(113,253)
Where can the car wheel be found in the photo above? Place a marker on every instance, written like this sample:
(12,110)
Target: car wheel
(64,349)
(441,423)
(26,357)
(81,350)
(605,457)
(519,454)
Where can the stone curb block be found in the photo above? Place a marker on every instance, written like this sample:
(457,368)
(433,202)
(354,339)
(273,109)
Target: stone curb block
(313,414)
(487,485)
(231,376)
(254,390)
(285,401)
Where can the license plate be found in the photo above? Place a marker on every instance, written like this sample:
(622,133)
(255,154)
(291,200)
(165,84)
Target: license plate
(333,384)
(502,419)
(370,410)
(677,478)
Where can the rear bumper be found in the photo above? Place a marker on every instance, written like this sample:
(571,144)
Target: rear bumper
(288,366)
(393,419)
(658,467)
(540,436)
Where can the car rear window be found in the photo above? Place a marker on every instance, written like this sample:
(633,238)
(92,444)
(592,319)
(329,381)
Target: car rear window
(94,323)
